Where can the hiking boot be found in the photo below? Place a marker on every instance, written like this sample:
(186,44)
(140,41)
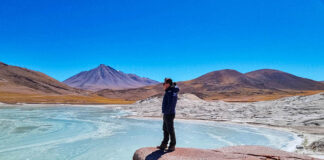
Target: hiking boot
(171,148)
(162,147)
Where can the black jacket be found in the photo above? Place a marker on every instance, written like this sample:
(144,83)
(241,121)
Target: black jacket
(170,100)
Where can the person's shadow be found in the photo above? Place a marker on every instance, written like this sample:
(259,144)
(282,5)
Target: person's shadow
(155,155)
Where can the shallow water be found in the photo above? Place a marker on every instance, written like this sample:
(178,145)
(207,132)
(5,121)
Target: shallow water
(62,132)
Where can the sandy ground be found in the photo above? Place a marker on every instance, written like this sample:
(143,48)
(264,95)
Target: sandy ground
(303,115)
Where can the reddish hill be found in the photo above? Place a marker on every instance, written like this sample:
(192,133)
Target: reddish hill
(231,85)
(223,80)
(22,80)
(281,80)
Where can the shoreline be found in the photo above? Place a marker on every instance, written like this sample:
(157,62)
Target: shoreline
(299,140)
(63,104)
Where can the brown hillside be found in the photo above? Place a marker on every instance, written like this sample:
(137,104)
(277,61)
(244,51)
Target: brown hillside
(230,85)
(281,80)
(22,80)
(21,85)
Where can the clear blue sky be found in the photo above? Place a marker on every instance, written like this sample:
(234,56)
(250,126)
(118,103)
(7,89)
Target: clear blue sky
(182,39)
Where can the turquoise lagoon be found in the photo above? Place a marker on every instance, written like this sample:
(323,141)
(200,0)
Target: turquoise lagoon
(34,132)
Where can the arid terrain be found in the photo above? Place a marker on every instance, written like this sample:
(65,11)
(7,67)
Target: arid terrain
(21,85)
(231,85)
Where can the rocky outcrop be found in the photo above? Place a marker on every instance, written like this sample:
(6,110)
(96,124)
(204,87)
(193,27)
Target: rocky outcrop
(232,153)
(318,145)
(306,113)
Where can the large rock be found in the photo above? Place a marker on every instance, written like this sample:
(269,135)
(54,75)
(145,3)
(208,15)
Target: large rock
(318,145)
(232,153)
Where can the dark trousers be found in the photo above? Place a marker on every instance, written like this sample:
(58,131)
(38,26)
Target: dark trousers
(168,129)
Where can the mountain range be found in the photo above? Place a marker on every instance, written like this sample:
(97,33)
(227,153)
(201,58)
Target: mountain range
(106,77)
(27,86)
(21,85)
(231,85)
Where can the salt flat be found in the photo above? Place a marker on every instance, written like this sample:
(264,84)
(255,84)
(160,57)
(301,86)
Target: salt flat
(301,114)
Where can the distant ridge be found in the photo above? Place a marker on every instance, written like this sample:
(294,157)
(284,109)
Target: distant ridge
(106,77)
(21,85)
(231,85)
(22,80)
(281,80)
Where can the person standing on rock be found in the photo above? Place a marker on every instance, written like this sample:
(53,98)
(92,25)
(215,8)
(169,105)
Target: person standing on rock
(168,109)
